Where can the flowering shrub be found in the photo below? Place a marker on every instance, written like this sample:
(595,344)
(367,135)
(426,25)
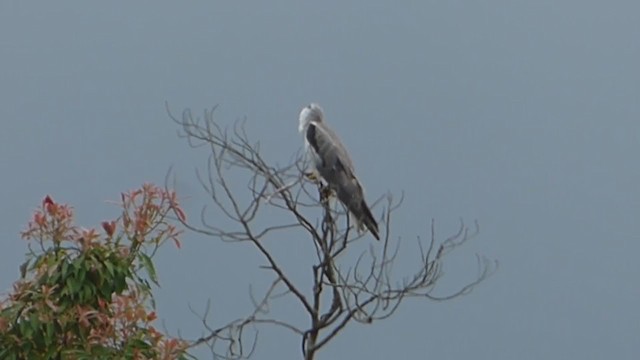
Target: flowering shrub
(85,293)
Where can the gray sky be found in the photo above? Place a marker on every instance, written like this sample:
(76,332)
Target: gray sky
(524,115)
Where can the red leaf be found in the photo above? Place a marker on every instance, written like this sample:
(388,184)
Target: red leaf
(152,316)
(109,227)
(39,219)
(181,216)
(47,201)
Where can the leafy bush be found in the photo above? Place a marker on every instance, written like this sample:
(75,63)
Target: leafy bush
(86,294)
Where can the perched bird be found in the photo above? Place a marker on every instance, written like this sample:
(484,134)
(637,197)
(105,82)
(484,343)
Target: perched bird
(332,163)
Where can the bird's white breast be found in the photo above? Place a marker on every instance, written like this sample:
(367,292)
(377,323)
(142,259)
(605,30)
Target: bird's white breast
(304,119)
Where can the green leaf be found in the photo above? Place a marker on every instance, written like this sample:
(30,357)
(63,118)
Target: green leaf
(119,283)
(134,346)
(25,329)
(23,268)
(86,294)
(8,354)
(109,267)
(147,263)
(49,340)
(65,269)
(73,286)
(106,290)
(81,274)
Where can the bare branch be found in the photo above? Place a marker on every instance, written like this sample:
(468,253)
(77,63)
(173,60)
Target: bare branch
(243,186)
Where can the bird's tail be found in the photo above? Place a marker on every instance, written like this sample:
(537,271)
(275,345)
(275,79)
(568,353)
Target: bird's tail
(369,221)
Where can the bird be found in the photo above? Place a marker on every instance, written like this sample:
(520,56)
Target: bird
(331,161)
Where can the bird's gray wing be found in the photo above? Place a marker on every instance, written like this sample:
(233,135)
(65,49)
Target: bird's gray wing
(333,163)
(329,149)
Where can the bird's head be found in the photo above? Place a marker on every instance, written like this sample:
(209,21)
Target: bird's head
(310,113)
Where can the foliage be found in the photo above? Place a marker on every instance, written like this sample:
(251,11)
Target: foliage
(84,293)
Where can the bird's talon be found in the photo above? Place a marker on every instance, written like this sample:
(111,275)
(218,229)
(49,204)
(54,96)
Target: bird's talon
(311,176)
(325,193)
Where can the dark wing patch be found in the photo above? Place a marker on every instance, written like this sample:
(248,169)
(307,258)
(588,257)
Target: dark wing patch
(311,137)
(340,167)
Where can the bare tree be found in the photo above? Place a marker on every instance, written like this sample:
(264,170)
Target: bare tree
(336,294)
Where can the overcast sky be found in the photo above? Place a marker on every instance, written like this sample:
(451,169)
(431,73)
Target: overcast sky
(524,115)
